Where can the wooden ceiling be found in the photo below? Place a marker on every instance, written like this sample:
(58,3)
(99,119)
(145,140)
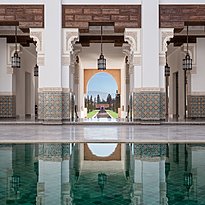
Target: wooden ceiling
(23,36)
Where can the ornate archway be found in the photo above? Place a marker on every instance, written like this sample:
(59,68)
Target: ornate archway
(89,73)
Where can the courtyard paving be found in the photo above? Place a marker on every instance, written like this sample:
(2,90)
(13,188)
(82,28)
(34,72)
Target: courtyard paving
(32,133)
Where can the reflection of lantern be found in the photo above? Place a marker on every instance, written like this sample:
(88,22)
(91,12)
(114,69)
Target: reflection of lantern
(102,179)
(188,180)
(15,183)
(167,168)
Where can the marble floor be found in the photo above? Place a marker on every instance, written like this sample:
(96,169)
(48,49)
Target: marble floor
(102,133)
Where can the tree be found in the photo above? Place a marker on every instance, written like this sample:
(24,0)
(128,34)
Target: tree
(91,103)
(109,100)
(98,99)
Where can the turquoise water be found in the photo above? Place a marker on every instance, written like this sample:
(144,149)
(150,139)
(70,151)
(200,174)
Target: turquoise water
(102,174)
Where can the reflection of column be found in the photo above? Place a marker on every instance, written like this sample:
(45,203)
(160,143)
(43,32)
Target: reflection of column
(137,185)
(53,182)
(6,172)
(149,174)
(163,186)
(65,175)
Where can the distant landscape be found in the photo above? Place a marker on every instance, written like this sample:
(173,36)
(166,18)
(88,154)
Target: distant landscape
(103,95)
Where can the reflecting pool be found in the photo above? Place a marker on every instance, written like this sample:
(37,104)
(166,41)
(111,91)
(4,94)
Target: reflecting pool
(102,174)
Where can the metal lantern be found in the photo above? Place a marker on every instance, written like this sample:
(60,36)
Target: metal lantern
(15,60)
(101,59)
(167,70)
(36,70)
(187,62)
(101,62)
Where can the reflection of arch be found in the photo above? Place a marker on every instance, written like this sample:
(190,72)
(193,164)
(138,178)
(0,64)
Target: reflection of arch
(88,155)
(89,73)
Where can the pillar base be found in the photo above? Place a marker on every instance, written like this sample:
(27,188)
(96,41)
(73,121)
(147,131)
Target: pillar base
(54,105)
(196,106)
(149,105)
(7,106)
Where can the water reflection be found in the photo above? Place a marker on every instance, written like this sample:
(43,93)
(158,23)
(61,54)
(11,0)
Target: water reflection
(133,174)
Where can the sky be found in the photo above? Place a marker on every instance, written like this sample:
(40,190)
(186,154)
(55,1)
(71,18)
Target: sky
(103,149)
(103,84)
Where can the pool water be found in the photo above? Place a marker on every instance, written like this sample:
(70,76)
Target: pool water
(102,174)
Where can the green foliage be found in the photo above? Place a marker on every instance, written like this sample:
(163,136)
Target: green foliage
(92,113)
(112,114)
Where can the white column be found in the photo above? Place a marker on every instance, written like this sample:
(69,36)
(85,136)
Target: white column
(70,36)
(150,43)
(165,34)
(81,96)
(6,83)
(50,75)
(198,72)
(20,92)
(7,80)
(133,37)
(123,90)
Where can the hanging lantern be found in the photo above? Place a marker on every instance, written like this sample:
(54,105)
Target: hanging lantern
(101,62)
(15,60)
(101,59)
(166,68)
(36,70)
(187,61)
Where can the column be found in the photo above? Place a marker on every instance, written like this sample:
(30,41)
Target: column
(196,83)
(76,90)
(147,58)
(132,36)
(49,61)
(149,96)
(165,34)
(50,89)
(7,81)
(54,50)
(70,36)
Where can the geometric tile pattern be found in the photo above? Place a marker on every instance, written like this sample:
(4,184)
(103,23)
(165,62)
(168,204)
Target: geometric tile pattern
(40,106)
(54,105)
(54,152)
(196,106)
(149,105)
(66,106)
(150,150)
(7,105)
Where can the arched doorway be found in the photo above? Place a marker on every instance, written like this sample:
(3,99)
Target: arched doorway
(102,91)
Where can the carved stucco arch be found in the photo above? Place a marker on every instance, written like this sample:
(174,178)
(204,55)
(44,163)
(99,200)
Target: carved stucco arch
(115,73)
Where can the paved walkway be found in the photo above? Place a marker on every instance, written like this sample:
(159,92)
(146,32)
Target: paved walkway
(102,133)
